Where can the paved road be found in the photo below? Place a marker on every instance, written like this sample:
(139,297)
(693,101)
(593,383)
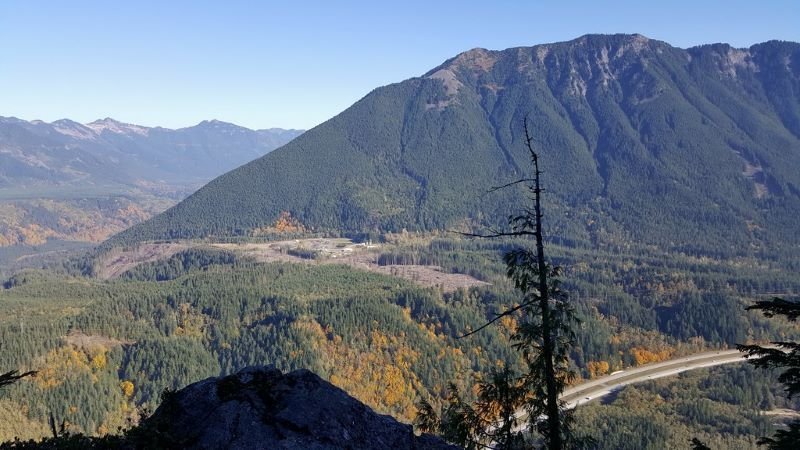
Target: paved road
(594,389)
(600,387)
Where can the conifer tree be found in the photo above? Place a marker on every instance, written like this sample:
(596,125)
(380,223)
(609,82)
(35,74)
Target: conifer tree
(544,336)
(785,355)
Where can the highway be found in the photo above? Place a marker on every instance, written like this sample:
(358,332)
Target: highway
(600,387)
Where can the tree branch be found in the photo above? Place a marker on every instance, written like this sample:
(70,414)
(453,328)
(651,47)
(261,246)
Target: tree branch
(497,234)
(777,307)
(499,316)
(13,376)
(523,180)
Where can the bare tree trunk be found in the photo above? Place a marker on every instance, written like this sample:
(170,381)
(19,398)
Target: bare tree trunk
(548,342)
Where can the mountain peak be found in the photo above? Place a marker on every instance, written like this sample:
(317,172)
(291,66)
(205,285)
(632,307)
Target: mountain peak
(635,39)
(15,120)
(67,123)
(74,129)
(107,120)
(220,125)
(476,59)
(114,126)
(214,123)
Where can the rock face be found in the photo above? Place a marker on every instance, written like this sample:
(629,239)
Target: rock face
(261,408)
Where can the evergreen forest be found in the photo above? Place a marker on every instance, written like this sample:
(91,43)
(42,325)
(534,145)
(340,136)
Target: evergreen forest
(106,351)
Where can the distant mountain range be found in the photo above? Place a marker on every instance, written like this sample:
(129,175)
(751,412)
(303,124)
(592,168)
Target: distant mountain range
(111,153)
(693,150)
(69,181)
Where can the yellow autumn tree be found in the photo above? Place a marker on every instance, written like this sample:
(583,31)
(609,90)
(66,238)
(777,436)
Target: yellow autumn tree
(288,224)
(597,368)
(644,356)
(127,388)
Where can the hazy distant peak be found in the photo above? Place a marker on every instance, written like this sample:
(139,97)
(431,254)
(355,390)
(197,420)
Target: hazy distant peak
(73,129)
(280,130)
(114,126)
(14,120)
(67,123)
(95,129)
(106,121)
(216,123)
(219,126)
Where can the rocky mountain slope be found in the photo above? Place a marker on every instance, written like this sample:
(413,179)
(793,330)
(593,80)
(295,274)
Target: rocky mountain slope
(694,150)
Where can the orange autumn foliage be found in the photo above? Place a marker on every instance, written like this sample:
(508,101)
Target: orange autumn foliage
(288,224)
(644,356)
(379,370)
(597,368)
(285,223)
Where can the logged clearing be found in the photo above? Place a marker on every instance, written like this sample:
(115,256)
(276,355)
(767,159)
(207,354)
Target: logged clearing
(315,250)
(429,276)
(119,261)
(80,340)
(359,256)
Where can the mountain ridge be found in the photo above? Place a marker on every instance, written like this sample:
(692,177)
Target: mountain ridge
(107,149)
(110,121)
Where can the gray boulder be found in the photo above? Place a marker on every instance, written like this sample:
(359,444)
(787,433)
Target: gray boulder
(261,408)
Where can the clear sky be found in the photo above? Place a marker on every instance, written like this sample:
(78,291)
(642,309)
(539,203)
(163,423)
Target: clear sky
(294,64)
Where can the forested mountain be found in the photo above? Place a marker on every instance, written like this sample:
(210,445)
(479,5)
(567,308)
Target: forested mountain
(694,150)
(107,152)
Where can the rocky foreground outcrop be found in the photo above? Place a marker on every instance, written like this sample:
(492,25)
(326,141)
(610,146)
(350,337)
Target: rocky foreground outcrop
(262,408)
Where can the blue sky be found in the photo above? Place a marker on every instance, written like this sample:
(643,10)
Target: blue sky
(296,64)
